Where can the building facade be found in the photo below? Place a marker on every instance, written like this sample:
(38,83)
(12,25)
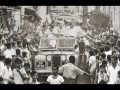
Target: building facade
(114,12)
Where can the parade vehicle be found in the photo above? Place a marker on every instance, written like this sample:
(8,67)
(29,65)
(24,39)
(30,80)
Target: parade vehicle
(53,52)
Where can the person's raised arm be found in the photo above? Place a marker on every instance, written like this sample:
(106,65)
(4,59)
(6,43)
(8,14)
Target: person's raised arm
(81,72)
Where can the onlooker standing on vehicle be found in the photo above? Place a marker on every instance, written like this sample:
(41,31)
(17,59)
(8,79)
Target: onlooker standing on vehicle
(55,78)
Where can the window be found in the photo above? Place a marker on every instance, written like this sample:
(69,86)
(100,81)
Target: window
(40,64)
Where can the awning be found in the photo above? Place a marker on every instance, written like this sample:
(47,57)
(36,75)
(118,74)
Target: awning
(33,13)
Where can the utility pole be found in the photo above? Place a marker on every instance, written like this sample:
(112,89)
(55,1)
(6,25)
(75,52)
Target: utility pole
(85,12)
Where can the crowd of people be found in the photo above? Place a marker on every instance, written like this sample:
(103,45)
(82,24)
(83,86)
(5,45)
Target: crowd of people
(103,57)
(103,60)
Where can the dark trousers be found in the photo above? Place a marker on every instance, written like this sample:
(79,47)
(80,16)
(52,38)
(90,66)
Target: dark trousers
(68,81)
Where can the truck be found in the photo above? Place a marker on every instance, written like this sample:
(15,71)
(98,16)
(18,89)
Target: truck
(53,51)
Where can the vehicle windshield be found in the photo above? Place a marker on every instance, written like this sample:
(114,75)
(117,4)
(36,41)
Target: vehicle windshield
(59,43)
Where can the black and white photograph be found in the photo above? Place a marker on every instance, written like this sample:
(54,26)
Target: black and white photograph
(59,44)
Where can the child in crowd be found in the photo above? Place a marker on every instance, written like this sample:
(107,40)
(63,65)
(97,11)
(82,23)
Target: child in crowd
(34,78)
(101,77)
(55,78)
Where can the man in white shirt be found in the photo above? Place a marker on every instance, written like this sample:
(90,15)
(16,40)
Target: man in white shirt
(113,70)
(70,71)
(8,74)
(7,52)
(19,72)
(92,65)
(55,78)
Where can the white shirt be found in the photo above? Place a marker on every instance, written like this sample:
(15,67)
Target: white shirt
(7,74)
(8,53)
(108,53)
(13,51)
(58,80)
(113,74)
(17,76)
(92,62)
(2,67)
(70,71)
(101,77)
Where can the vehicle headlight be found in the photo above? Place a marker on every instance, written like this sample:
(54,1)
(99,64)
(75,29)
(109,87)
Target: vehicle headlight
(49,57)
(63,58)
